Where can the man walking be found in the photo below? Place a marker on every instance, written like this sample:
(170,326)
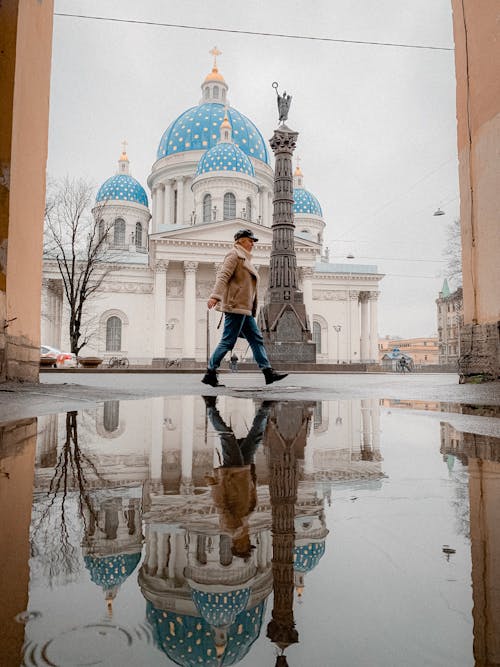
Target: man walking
(235,294)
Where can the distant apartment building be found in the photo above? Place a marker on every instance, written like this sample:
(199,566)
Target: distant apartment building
(450,318)
(424,351)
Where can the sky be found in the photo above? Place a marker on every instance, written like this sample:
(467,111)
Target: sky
(377,124)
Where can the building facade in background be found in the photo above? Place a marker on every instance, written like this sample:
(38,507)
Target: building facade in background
(212,176)
(423,351)
(450,316)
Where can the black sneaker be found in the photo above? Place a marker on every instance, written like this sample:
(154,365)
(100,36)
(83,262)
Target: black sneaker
(210,378)
(273,376)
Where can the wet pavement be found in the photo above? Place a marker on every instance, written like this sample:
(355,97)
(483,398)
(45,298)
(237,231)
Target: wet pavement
(262,527)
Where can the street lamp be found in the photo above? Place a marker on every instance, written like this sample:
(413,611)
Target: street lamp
(337,328)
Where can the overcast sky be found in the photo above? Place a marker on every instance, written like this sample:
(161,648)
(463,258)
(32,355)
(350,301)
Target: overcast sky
(377,124)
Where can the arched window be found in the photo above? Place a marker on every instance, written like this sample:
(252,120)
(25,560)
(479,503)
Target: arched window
(229,206)
(207,93)
(216,91)
(101,230)
(317,335)
(223,94)
(207,208)
(111,417)
(113,334)
(249,209)
(119,232)
(138,234)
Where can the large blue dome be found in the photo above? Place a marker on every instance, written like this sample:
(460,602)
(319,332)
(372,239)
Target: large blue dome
(198,129)
(221,609)
(110,571)
(306,202)
(124,187)
(225,157)
(305,558)
(189,640)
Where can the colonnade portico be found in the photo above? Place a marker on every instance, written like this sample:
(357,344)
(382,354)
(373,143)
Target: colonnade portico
(172,201)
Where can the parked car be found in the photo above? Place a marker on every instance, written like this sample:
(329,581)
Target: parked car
(62,359)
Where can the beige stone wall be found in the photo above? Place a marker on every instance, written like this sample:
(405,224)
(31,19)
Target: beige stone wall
(484,490)
(17,459)
(25,58)
(477,54)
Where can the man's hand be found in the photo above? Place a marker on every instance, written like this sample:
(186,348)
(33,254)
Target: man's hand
(211,303)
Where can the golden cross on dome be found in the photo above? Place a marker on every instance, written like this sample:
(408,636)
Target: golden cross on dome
(215,52)
(298,161)
(124,144)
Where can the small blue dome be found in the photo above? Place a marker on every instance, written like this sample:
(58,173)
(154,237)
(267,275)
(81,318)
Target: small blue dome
(306,558)
(124,187)
(225,157)
(305,202)
(110,571)
(189,640)
(198,129)
(220,609)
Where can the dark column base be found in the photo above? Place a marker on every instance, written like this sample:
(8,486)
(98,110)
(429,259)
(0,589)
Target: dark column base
(479,352)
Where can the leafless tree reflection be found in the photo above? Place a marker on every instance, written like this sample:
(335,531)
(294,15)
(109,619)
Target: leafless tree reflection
(59,517)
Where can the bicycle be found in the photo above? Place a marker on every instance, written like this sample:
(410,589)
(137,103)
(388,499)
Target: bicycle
(118,362)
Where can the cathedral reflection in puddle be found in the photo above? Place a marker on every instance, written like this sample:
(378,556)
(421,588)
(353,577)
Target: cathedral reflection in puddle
(193,531)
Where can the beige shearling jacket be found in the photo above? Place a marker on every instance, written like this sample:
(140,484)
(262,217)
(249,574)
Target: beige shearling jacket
(236,284)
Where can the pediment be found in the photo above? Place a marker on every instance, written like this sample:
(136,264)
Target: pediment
(223,232)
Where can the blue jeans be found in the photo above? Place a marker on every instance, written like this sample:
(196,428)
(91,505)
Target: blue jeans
(244,326)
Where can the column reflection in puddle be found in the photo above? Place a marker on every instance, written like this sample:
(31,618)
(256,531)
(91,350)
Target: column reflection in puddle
(184,529)
(481,455)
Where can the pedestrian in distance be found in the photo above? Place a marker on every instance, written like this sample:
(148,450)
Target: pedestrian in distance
(235,295)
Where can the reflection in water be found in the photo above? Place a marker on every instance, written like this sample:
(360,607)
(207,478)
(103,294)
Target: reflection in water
(481,454)
(231,497)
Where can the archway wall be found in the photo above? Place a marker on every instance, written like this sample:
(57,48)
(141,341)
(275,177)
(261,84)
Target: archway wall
(477,53)
(26,47)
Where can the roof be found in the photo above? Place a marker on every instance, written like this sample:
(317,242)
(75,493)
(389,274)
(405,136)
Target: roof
(325,267)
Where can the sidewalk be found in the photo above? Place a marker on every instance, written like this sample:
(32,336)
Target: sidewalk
(60,392)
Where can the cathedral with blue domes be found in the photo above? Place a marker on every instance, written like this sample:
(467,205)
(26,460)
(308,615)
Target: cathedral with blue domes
(166,238)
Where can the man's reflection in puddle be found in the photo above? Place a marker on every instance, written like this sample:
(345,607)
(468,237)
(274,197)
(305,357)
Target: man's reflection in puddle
(233,484)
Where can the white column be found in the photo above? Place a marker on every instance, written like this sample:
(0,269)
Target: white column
(374,326)
(167,204)
(307,274)
(154,207)
(266,220)
(375,420)
(189,332)
(172,559)
(156,455)
(160,308)
(354,325)
(366,422)
(180,201)
(160,201)
(187,403)
(365,328)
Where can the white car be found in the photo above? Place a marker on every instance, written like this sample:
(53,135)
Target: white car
(62,359)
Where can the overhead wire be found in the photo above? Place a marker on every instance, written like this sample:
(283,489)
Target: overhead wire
(257,33)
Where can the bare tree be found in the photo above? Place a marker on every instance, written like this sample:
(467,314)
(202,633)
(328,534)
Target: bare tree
(76,237)
(453,252)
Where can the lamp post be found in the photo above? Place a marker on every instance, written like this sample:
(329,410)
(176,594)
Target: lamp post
(337,328)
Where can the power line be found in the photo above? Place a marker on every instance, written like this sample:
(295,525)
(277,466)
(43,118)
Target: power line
(256,33)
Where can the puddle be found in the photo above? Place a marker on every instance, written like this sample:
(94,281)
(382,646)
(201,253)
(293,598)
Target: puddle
(232,531)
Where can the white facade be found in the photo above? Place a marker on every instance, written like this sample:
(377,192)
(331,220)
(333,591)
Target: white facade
(212,177)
